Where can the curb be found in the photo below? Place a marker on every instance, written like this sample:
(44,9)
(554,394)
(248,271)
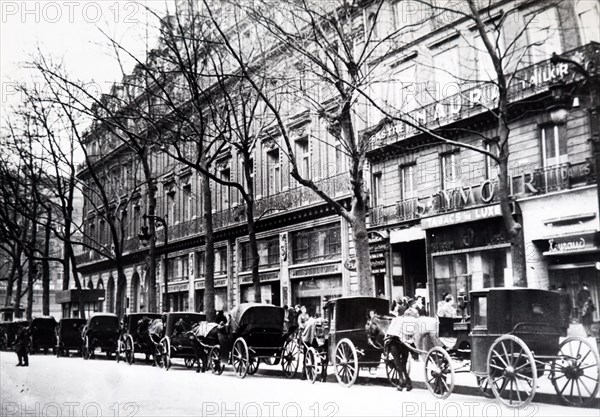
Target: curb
(543,398)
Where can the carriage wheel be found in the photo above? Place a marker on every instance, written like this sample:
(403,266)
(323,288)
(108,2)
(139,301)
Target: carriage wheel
(86,348)
(189,362)
(484,386)
(290,358)
(253,366)
(439,374)
(576,373)
(391,371)
(240,357)
(214,361)
(512,371)
(346,363)
(129,350)
(311,365)
(166,353)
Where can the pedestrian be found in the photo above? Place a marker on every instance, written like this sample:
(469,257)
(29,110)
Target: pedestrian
(302,318)
(564,308)
(582,296)
(411,310)
(22,345)
(293,318)
(447,309)
(587,313)
(420,305)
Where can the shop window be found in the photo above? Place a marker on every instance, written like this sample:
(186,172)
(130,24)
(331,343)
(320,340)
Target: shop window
(451,275)
(316,245)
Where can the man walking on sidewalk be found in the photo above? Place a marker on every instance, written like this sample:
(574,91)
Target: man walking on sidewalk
(22,344)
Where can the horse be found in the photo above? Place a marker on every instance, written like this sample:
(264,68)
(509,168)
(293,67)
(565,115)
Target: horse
(311,338)
(150,332)
(402,336)
(202,335)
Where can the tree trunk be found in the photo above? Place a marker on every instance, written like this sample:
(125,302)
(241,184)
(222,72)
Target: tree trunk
(75,273)
(67,255)
(361,244)
(31,265)
(252,227)
(46,266)
(120,308)
(10,283)
(209,251)
(150,280)
(17,302)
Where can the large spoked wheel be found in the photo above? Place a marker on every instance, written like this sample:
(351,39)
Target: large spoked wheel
(512,371)
(166,353)
(253,366)
(439,374)
(484,386)
(290,358)
(189,362)
(390,370)
(129,350)
(576,373)
(214,361)
(86,348)
(240,357)
(345,362)
(311,365)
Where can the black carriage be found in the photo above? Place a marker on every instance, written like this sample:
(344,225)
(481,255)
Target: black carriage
(8,333)
(254,333)
(100,332)
(42,333)
(344,343)
(68,336)
(176,342)
(134,339)
(515,336)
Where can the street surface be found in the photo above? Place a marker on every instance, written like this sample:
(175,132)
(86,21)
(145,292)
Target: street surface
(53,386)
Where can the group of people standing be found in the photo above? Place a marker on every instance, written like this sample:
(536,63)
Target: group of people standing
(295,318)
(409,307)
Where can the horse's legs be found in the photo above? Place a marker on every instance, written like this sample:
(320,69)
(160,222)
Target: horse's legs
(397,351)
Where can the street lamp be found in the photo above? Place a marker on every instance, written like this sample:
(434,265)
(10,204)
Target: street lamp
(562,102)
(145,236)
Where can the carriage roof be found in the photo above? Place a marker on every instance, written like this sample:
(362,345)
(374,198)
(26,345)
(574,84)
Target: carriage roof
(43,321)
(132,319)
(352,312)
(254,315)
(505,308)
(173,318)
(103,319)
(71,324)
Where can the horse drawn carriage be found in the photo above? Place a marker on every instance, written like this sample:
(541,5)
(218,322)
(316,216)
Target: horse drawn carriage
(8,333)
(176,342)
(254,333)
(68,336)
(513,338)
(136,338)
(101,331)
(340,339)
(42,333)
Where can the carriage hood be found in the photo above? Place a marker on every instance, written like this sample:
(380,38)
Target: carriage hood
(253,315)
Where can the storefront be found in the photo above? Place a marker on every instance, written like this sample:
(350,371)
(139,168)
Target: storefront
(313,285)
(467,250)
(270,288)
(408,261)
(220,294)
(179,296)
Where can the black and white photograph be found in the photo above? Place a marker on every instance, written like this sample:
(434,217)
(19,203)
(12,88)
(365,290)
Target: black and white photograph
(294,208)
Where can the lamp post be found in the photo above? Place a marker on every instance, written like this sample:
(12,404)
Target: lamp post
(563,101)
(145,237)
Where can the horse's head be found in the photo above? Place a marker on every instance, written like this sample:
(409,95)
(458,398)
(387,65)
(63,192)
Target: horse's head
(376,330)
(143,325)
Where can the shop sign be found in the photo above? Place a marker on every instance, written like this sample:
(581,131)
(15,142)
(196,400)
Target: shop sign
(566,244)
(200,285)
(315,271)
(179,287)
(271,276)
(465,216)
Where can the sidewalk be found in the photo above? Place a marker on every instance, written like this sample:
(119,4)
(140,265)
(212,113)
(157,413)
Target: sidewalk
(464,382)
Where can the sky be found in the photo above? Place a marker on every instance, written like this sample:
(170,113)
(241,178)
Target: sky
(71,32)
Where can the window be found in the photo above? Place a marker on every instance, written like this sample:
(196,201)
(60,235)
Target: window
(340,158)
(406,89)
(543,35)
(589,20)
(170,209)
(221,261)
(274,172)
(200,264)
(187,202)
(554,145)
(407,182)
(484,65)
(268,254)
(376,190)
(225,194)
(125,226)
(317,245)
(446,70)
(303,157)
(450,171)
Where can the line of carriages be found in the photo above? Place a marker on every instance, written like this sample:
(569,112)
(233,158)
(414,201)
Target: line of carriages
(515,337)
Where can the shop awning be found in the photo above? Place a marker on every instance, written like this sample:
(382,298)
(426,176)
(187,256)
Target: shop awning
(407,235)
